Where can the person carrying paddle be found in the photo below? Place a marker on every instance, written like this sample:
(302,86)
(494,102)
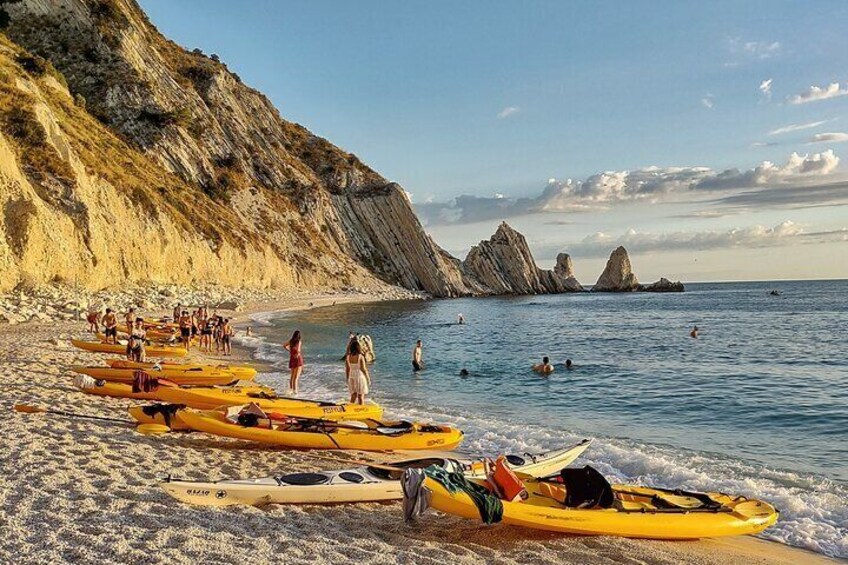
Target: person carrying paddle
(356,371)
(110,325)
(293,346)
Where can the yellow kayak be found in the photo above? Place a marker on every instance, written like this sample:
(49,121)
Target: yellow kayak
(207,398)
(154,351)
(629,511)
(323,434)
(196,378)
(152,335)
(242,372)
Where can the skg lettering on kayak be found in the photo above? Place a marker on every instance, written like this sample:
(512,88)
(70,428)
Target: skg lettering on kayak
(197,492)
(329,409)
(435,442)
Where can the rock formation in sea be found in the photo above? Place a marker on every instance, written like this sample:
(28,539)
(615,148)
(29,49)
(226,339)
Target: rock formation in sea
(504,265)
(618,276)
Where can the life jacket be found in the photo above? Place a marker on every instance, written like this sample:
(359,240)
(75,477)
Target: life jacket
(505,482)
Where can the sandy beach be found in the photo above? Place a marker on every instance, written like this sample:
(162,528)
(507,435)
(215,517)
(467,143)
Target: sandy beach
(78,490)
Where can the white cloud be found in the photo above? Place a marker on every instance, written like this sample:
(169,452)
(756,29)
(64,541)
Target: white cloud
(604,190)
(507,112)
(834,137)
(815,93)
(784,233)
(796,127)
(707,102)
(764,144)
(765,88)
(748,51)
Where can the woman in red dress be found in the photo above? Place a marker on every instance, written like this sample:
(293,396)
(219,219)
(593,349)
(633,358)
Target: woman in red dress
(295,360)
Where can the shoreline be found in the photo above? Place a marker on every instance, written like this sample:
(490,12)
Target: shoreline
(69,484)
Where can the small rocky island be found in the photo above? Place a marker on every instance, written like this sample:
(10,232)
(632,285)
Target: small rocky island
(504,265)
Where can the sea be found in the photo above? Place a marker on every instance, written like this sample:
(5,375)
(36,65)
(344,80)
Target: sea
(757,404)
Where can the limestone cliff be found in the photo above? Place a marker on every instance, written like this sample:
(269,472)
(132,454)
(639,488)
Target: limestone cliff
(618,276)
(504,265)
(126,157)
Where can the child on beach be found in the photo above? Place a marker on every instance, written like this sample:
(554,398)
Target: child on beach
(356,371)
(293,346)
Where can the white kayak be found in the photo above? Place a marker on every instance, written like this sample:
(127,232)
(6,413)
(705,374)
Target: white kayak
(360,484)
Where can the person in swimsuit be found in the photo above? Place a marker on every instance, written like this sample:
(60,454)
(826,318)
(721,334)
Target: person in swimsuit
(417,356)
(129,320)
(293,346)
(178,311)
(93,319)
(135,345)
(185,329)
(110,323)
(545,367)
(356,371)
(227,333)
(694,332)
(205,334)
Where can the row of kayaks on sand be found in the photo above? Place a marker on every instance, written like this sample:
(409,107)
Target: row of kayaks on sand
(222,401)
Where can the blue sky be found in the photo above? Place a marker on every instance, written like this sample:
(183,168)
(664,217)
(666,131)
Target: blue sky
(485,98)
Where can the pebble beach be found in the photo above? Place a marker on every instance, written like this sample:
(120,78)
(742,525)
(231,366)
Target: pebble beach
(80,490)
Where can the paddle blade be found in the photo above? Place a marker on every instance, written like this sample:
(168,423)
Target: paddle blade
(152,429)
(27,409)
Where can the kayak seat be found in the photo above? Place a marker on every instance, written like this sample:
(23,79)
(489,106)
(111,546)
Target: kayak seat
(515,460)
(304,479)
(352,477)
(586,488)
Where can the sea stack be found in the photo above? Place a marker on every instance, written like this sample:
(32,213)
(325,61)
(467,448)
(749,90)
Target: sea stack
(618,275)
(564,274)
(504,265)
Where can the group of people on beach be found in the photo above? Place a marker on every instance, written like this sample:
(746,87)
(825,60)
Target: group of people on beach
(214,329)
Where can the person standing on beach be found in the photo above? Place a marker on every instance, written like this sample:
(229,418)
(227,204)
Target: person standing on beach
(129,319)
(110,323)
(93,319)
(135,345)
(227,333)
(293,346)
(418,356)
(356,371)
(185,329)
(178,311)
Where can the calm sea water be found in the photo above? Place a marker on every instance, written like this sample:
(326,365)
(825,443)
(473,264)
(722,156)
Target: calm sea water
(757,405)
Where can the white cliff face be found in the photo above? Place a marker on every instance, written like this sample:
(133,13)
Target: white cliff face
(618,275)
(291,208)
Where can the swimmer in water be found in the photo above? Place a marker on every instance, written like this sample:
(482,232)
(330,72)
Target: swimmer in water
(460,319)
(568,364)
(545,367)
(463,372)
(694,332)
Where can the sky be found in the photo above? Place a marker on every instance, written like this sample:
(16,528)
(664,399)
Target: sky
(710,139)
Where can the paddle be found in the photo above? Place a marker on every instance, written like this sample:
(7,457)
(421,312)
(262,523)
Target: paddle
(29,409)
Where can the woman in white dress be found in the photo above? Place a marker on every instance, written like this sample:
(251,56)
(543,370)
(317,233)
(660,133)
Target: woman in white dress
(356,370)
